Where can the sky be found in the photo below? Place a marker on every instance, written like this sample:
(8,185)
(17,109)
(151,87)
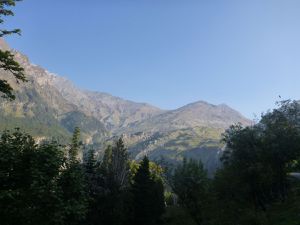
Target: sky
(168,52)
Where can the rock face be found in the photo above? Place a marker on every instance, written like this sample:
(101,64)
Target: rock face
(114,112)
(51,106)
(198,114)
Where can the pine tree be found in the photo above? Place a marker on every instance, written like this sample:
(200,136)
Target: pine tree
(72,182)
(7,61)
(28,181)
(120,165)
(75,146)
(115,166)
(90,172)
(148,194)
(114,204)
(190,184)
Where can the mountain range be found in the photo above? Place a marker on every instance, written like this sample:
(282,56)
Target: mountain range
(49,105)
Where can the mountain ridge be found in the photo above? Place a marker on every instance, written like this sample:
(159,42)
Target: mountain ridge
(54,105)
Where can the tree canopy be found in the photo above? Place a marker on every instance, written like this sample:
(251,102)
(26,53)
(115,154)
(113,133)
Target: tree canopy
(7,61)
(46,183)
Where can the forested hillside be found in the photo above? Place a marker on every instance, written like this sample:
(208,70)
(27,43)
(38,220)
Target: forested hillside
(258,183)
(77,157)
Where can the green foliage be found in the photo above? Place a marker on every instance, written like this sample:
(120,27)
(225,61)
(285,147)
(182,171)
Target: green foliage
(114,203)
(190,184)
(7,62)
(176,215)
(28,180)
(119,165)
(46,184)
(35,128)
(5,6)
(72,182)
(75,146)
(177,142)
(148,195)
(40,185)
(260,156)
(73,187)
(256,165)
(107,160)
(156,171)
(115,166)
(94,187)
(88,125)
(244,163)
(287,213)
(39,121)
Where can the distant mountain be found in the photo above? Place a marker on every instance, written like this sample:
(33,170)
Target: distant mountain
(193,130)
(114,112)
(198,114)
(41,109)
(52,106)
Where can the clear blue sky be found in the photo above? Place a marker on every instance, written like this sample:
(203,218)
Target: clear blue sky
(169,52)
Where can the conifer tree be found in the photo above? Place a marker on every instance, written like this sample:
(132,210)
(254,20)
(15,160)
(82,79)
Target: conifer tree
(29,193)
(120,165)
(148,195)
(75,146)
(94,188)
(7,61)
(116,174)
(72,182)
(190,184)
(90,171)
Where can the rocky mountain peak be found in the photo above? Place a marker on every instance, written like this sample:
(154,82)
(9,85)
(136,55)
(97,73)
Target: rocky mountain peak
(3,45)
(50,105)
